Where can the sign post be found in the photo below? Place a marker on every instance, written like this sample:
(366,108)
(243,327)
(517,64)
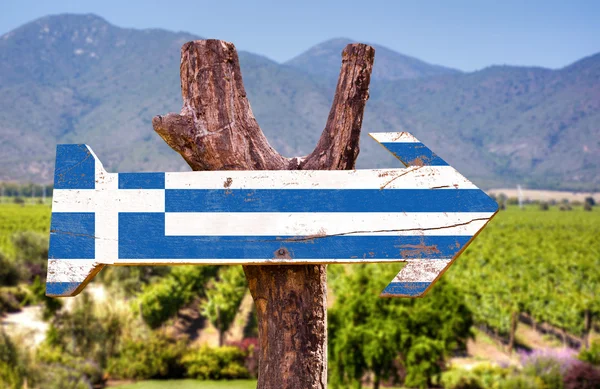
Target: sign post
(283,224)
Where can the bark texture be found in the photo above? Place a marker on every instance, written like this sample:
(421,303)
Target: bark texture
(216,130)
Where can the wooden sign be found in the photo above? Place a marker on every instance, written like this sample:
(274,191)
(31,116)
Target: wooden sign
(424,214)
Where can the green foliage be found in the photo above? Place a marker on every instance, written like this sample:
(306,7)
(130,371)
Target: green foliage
(161,300)
(8,301)
(12,298)
(57,369)
(152,355)
(192,384)
(460,379)
(10,274)
(83,333)
(371,334)
(216,363)
(547,370)
(15,219)
(63,377)
(521,382)
(541,263)
(591,355)
(130,280)
(12,367)
(51,305)
(32,250)
(223,298)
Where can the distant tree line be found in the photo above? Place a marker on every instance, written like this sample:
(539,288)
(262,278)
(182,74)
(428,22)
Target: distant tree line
(15,189)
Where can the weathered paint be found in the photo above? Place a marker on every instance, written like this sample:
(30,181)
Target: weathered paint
(424,214)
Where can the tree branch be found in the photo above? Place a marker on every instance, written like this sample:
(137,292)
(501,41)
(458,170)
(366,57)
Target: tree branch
(338,146)
(216,130)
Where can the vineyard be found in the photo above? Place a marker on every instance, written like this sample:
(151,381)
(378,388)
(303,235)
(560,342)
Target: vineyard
(537,265)
(19,218)
(543,265)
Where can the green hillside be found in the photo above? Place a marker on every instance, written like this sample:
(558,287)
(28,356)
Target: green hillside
(79,79)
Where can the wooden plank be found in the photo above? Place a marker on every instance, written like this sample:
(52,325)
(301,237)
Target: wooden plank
(424,214)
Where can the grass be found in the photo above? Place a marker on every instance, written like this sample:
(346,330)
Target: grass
(191,384)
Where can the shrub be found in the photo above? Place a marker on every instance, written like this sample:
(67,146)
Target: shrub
(156,356)
(12,367)
(548,365)
(592,355)
(512,201)
(522,382)
(490,375)
(590,201)
(62,377)
(207,363)
(544,206)
(8,302)
(57,369)
(582,375)
(32,250)
(251,348)
(160,301)
(10,274)
(460,379)
(565,207)
(481,376)
(588,207)
(37,295)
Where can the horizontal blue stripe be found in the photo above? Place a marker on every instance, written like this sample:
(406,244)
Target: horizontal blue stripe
(411,289)
(72,235)
(142,236)
(328,200)
(415,154)
(75,168)
(141,180)
(58,289)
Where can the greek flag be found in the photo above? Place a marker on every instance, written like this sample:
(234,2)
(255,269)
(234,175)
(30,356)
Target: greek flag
(424,214)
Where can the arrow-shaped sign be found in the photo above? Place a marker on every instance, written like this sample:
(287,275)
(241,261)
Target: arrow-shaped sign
(425,214)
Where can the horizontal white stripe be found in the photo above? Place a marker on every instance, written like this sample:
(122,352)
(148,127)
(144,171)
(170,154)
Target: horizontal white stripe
(421,270)
(70,270)
(260,261)
(393,137)
(111,200)
(323,223)
(414,177)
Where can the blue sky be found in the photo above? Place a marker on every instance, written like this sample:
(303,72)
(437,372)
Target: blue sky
(467,35)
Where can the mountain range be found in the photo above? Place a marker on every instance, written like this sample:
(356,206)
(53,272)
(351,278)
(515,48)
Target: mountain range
(79,79)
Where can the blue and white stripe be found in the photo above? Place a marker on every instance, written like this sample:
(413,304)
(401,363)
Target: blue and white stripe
(424,214)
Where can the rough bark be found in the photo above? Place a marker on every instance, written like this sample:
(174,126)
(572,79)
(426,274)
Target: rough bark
(587,328)
(216,130)
(512,331)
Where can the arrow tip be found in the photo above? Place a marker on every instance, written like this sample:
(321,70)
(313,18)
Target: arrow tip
(416,277)
(408,149)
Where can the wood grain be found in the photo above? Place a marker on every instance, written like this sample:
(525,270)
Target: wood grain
(216,130)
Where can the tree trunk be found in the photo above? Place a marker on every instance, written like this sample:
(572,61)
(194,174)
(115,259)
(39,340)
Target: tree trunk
(514,321)
(216,130)
(376,379)
(587,328)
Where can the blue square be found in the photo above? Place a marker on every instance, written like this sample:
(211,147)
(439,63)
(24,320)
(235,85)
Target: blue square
(75,168)
(72,235)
